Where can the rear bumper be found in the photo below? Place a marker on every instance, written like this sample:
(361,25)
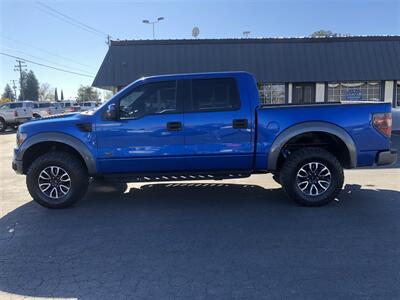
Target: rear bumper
(386,157)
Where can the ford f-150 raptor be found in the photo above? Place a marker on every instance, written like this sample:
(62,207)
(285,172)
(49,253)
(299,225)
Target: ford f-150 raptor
(202,126)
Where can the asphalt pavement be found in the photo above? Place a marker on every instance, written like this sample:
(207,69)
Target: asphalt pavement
(236,239)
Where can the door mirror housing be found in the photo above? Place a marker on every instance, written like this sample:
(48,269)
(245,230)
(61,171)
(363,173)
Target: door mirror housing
(111,113)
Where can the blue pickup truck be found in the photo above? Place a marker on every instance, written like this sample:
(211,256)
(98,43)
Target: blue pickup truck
(206,126)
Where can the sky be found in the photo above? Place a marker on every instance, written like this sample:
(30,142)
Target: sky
(30,30)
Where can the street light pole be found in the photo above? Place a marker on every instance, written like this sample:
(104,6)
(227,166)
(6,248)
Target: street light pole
(153,24)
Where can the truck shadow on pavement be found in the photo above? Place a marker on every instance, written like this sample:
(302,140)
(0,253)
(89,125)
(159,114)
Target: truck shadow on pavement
(219,241)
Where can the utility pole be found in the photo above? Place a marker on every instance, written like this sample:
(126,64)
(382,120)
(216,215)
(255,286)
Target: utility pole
(108,40)
(19,67)
(14,87)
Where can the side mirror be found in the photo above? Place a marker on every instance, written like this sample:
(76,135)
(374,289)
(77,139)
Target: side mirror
(111,112)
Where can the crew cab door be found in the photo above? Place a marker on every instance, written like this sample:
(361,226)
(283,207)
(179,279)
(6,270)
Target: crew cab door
(148,134)
(218,122)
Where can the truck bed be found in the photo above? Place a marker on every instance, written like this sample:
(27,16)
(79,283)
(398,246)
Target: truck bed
(353,118)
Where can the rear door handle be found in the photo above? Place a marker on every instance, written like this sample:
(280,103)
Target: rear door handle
(174,126)
(240,123)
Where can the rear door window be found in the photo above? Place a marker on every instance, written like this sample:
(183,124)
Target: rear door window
(216,94)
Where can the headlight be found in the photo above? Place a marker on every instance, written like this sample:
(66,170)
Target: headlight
(21,137)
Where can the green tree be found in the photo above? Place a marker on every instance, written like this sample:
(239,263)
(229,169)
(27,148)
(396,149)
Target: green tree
(8,93)
(87,93)
(55,95)
(62,95)
(323,33)
(30,86)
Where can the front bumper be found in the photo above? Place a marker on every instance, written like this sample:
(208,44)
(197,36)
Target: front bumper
(17,166)
(22,120)
(386,157)
(17,163)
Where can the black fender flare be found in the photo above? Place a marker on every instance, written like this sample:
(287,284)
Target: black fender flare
(305,127)
(62,138)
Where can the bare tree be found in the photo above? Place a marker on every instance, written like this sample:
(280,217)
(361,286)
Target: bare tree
(46,92)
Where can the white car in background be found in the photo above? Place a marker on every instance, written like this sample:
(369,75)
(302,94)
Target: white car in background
(70,106)
(88,105)
(43,109)
(14,113)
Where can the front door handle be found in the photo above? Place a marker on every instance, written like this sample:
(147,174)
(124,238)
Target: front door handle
(174,126)
(240,123)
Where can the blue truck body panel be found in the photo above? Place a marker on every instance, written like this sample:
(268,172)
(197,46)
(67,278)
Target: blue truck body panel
(355,119)
(207,141)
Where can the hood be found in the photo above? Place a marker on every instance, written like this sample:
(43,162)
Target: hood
(55,123)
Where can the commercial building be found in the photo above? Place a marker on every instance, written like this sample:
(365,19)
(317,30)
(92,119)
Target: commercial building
(287,70)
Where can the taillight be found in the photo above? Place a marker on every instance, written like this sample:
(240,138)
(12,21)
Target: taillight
(383,122)
(15,113)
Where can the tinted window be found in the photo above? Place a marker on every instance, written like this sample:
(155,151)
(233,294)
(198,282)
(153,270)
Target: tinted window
(215,94)
(152,98)
(15,105)
(44,105)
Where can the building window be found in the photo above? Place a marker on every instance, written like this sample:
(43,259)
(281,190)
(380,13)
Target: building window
(398,93)
(354,91)
(271,93)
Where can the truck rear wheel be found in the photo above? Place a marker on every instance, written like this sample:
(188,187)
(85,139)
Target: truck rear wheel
(57,180)
(312,176)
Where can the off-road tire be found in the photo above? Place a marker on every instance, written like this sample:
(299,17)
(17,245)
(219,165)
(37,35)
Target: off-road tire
(299,158)
(76,170)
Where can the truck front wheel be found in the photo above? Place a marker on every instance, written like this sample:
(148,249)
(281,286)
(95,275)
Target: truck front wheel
(57,179)
(312,176)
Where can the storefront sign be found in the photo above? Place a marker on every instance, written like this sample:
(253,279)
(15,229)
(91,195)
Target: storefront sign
(354,95)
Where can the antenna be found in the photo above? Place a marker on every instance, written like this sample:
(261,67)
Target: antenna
(195,32)
(246,34)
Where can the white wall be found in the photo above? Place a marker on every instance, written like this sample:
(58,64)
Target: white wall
(320,92)
(290,93)
(389,91)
